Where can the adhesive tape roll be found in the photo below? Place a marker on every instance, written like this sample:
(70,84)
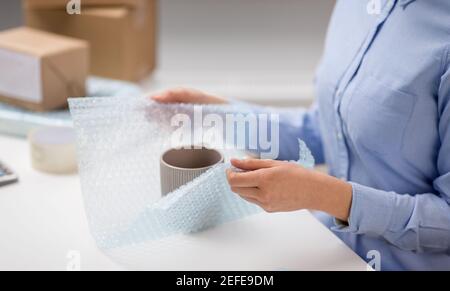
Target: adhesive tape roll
(53,150)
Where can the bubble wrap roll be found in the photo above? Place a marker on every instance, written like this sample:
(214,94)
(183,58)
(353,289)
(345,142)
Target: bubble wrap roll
(120,141)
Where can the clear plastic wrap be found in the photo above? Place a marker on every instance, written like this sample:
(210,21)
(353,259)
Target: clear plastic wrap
(120,141)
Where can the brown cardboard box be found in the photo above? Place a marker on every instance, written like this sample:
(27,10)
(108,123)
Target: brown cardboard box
(40,70)
(61,4)
(122,39)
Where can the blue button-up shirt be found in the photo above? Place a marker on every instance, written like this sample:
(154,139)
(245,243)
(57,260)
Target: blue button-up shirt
(382,122)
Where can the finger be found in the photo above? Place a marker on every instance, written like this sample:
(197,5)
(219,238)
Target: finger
(244,179)
(160,97)
(170,96)
(254,164)
(247,193)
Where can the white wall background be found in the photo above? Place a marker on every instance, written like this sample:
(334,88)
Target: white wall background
(10,15)
(243,34)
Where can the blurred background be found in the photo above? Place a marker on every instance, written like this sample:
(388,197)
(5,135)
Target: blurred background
(258,50)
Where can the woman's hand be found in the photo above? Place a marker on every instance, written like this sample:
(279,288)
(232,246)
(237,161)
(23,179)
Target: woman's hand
(183,95)
(282,186)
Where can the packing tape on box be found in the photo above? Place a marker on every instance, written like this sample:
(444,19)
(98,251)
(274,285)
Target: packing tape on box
(53,150)
(120,141)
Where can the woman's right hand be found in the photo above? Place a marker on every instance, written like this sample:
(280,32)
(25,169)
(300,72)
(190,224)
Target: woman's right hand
(184,95)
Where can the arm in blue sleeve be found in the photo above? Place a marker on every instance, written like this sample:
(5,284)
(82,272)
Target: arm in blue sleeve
(418,223)
(295,124)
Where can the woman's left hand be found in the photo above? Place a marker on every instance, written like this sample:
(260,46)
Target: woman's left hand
(278,186)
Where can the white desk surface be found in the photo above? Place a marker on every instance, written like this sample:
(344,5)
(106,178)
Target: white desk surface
(42,218)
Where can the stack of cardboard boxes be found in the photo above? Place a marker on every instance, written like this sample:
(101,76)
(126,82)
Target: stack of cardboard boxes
(114,38)
(121,32)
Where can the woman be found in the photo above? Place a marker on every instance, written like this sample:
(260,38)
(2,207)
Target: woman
(382,125)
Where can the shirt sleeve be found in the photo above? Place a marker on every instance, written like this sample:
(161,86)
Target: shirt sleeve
(293,124)
(419,222)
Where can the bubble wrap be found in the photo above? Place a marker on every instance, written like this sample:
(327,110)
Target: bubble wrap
(120,141)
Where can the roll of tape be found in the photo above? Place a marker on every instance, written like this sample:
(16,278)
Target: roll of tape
(53,150)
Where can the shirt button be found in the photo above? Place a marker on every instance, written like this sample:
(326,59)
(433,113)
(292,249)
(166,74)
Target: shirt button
(339,136)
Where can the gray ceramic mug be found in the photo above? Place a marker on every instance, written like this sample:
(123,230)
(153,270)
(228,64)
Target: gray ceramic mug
(180,166)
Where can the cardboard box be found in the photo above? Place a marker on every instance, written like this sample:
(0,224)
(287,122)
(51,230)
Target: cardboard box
(122,39)
(39,70)
(62,4)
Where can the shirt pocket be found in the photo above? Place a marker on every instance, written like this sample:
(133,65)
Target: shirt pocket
(377,116)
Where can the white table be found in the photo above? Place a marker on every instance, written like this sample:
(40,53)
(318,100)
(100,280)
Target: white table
(42,220)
